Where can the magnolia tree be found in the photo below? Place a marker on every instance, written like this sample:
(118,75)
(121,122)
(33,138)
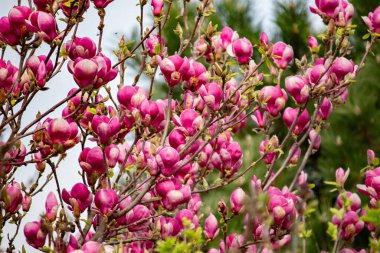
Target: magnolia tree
(146,195)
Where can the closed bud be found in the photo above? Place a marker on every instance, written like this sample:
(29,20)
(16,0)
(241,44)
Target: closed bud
(157,5)
(211,228)
(243,50)
(34,234)
(51,207)
(26,203)
(282,54)
(11,197)
(106,200)
(290,115)
(237,200)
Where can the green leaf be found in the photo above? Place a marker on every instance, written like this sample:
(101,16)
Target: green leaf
(366,36)
(372,216)
(92,110)
(332,231)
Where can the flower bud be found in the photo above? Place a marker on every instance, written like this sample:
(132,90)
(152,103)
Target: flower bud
(315,135)
(325,109)
(157,5)
(282,54)
(298,88)
(296,156)
(51,207)
(264,41)
(106,200)
(341,67)
(237,200)
(313,44)
(370,157)
(34,234)
(275,99)
(353,201)
(101,3)
(11,197)
(243,50)
(341,177)
(303,121)
(211,229)
(26,203)
(153,44)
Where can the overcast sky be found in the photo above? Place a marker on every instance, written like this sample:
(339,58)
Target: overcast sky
(120,19)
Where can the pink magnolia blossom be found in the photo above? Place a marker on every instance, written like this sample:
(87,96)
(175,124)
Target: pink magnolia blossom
(298,88)
(303,121)
(157,5)
(212,94)
(34,234)
(11,196)
(373,20)
(282,54)
(237,200)
(211,229)
(84,48)
(79,198)
(106,200)
(174,68)
(243,50)
(275,99)
(51,207)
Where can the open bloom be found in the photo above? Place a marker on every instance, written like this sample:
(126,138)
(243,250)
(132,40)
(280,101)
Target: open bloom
(105,128)
(44,24)
(174,68)
(350,225)
(81,47)
(372,185)
(79,198)
(212,94)
(173,193)
(166,159)
(92,73)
